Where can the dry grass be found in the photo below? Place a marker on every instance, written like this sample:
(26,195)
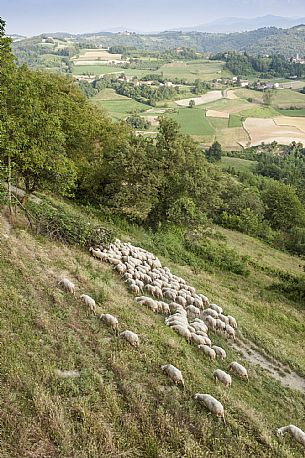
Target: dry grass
(121,405)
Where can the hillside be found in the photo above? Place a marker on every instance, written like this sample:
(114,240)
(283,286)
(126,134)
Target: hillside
(121,404)
(265,40)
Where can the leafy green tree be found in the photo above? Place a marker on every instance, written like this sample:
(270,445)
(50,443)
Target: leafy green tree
(268,96)
(283,209)
(213,154)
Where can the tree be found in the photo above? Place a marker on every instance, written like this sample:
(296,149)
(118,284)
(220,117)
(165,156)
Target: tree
(192,103)
(283,209)
(268,96)
(213,154)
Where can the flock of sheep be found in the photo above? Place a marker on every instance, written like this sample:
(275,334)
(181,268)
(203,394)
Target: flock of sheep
(189,314)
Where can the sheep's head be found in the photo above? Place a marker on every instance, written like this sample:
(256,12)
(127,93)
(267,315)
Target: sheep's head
(279,432)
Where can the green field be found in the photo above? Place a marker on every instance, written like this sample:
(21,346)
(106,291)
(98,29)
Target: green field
(120,108)
(259,111)
(218,123)
(107,69)
(293,113)
(240,165)
(203,70)
(235,121)
(192,121)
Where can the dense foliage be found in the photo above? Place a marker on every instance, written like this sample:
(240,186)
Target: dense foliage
(243,64)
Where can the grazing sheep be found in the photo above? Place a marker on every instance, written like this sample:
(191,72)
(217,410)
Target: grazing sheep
(180,300)
(182,331)
(223,377)
(219,352)
(230,331)
(148,302)
(173,373)
(209,312)
(111,321)
(169,295)
(294,431)
(134,288)
(131,337)
(164,308)
(210,322)
(205,300)
(199,326)
(207,351)
(216,307)
(121,268)
(67,285)
(239,370)
(193,311)
(87,300)
(212,405)
(98,254)
(224,318)
(200,340)
(220,324)
(232,321)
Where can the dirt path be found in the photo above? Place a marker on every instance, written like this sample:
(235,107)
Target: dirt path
(277,370)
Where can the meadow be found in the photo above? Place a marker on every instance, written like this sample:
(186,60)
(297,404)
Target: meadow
(121,404)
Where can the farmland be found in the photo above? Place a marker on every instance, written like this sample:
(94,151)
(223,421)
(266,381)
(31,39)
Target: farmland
(221,113)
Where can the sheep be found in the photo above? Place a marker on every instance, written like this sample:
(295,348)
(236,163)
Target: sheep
(134,288)
(98,254)
(212,405)
(193,311)
(198,303)
(181,300)
(199,340)
(182,331)
(173,373)
(169,295)
(220,324)
(148,302)
(207,351)
(164,307)
(210,322)
(131,337)
(205,300)
(239,370)
(230,331)
(121,268)
(67,285)
(223,377)
(199,326)
(111,321)
(209,312)
(219,352)
(216,307)
(294,431)
(232,321)
(87,300)
(223,318)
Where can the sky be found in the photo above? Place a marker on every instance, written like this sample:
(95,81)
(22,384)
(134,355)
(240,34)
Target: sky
(32,17)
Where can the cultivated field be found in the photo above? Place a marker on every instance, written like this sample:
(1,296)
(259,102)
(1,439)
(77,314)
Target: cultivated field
(204,70)
(267,131)
(210,96)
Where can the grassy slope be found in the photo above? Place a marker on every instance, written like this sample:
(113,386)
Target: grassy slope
(240,165)
(193,121)
(122,405)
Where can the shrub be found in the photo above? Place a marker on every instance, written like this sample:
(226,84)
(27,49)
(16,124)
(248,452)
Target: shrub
(68,225)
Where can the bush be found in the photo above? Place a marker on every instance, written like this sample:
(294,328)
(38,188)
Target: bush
(67,225)
(292,286)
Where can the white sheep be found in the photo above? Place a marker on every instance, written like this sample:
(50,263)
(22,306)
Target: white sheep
(230,331)
(173,373)
(131,337)
(148,302)
(232,321)
(212,405)
(200,340)
(87,300)
(223,377)
(182,331)
(239,370)
(219,352)
(111,321)
(67,285)
(207,351)
(193,311)
(98,254)
(216,307)
(294,431)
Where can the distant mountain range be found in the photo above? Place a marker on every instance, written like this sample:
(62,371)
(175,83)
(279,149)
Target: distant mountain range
(234,24)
